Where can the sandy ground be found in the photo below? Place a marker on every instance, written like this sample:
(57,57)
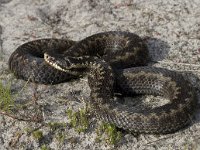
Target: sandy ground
(170,28)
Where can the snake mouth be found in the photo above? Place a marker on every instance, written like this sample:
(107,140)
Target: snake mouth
(53,62)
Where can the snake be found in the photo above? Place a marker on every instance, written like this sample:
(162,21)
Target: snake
(113,61)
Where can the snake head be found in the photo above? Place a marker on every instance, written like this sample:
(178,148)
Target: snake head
(58,61)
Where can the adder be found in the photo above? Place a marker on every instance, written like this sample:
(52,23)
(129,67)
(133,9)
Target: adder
(113,61)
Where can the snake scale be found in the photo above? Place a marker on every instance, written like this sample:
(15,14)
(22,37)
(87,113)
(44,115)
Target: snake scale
(113,61)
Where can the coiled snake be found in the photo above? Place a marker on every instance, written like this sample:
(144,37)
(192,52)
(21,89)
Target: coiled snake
(111,61)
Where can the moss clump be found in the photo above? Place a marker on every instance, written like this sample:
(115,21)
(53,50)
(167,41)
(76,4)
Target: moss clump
(60,137)
(112,136)
(6,99)
(56,125)
(38,135)
(78,120)
(44,147)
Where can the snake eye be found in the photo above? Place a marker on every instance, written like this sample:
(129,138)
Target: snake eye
(48,58)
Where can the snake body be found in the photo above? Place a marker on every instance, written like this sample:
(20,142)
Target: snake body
(27,61)
(111,60)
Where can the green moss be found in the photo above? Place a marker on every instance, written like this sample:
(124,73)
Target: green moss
(38,135)
(6,99)
(56,125)
(112,136)
(44,147)
(78,120)
(60,137)
(73,116)
(28,130)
